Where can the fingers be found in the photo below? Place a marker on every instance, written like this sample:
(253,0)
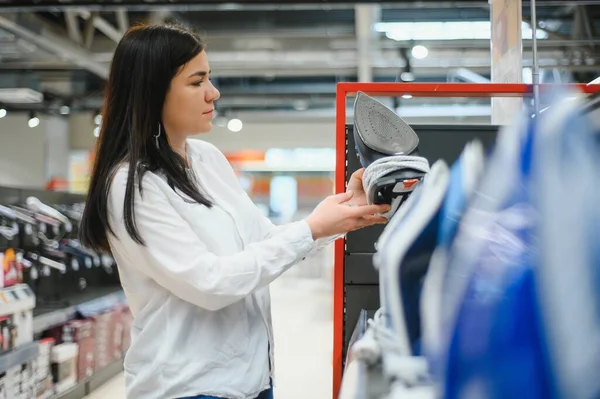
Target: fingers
(359,173)
(368,221)
(375,219)
(367,210)
(343,197)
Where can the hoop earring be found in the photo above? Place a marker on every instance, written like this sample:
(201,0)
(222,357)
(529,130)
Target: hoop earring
(158,135)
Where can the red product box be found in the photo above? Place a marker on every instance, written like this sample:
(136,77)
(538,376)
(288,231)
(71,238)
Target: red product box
(103,326)
(82,333)
(117,334)
(11,272)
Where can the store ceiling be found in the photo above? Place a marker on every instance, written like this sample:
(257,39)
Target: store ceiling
(279,57)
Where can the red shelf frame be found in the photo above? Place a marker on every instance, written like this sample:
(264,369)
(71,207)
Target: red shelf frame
(344,90)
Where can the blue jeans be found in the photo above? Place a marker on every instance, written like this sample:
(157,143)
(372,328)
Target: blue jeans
(268,394)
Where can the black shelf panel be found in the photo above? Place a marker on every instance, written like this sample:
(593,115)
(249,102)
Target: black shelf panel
(359,270)
(88,303)
(15,357)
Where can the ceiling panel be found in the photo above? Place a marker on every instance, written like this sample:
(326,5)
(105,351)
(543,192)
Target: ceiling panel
(267,55)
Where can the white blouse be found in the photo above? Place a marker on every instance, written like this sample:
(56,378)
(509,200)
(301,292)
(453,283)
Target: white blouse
(198,290)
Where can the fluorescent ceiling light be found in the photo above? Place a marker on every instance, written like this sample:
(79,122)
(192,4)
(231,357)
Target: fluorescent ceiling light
(20,96)
(453,30)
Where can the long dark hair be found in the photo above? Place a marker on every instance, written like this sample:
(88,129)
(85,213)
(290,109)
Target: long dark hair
(145,61)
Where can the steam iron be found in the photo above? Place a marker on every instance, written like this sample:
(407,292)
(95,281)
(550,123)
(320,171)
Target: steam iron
(387,148)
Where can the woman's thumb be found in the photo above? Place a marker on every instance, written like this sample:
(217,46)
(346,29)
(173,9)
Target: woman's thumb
(343,197)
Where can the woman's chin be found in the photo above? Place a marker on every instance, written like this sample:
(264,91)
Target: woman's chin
(203,129)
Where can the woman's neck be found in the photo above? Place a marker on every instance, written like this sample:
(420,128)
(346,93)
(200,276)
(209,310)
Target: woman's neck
(179,147)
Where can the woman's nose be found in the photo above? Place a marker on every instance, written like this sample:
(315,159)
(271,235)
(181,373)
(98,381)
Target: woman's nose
(212,94)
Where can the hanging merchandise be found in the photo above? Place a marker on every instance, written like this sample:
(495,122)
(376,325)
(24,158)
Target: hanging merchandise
(39,247)
(425,221)
(490,278)
(521,314)
(388,150)
(465,176)
(568,279)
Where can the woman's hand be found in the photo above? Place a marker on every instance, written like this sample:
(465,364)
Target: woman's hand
(337,214)
(355,186)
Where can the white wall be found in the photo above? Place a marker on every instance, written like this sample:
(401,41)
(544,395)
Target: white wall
(57,147)
(22,152)
(262,136)
(81,131)
(254,135)
(28,157)
(264,130)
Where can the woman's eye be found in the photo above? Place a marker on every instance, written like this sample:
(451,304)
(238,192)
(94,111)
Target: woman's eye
(198,83)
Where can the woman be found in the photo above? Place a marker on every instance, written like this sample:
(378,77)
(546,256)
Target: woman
(195,255)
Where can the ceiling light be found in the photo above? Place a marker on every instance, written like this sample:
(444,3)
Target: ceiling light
(64,110)
(407,96)
(34,121)
(419,52)
(20,96)
(407,77)
(2,113)
(235,125)
(97,131)
(446,30)
(300,105)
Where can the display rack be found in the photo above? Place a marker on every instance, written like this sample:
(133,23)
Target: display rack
(86,304)
(47,315)
(20,355)
(355,280)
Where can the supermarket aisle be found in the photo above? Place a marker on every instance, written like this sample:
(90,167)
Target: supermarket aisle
(302,317)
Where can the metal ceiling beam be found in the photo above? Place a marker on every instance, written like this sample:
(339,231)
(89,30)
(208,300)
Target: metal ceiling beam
(195,5)
(466,75)
(58,46)
(102,25)
(159,16)
(73,27)
(122,20)
(89,33)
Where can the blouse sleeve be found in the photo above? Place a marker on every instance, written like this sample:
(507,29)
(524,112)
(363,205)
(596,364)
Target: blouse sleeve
(175,258)
(266,227)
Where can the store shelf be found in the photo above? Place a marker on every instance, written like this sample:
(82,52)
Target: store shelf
(90,384)
(77,392)
(101,377)
(16,299)
(87,304)
(23,354)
